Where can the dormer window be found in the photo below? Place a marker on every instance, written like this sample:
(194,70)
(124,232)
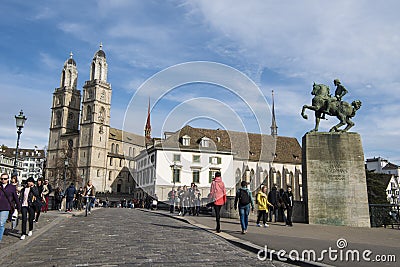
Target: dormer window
(186,140)
(205,142)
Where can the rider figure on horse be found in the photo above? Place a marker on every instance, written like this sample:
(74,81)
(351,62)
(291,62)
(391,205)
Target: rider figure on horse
(340,90)
(339,93)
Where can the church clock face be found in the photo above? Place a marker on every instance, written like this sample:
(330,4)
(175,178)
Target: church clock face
(103,96)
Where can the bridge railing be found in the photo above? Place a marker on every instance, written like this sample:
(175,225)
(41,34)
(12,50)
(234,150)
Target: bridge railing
(383,215)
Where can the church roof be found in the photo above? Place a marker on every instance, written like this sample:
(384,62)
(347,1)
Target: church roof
(246,146)
(126,137)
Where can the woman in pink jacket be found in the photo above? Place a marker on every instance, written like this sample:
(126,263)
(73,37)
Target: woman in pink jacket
(218,194)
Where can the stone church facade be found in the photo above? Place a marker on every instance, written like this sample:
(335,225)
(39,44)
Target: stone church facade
(82,145)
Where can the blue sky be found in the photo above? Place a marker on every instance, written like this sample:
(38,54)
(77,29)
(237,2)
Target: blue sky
(283,47)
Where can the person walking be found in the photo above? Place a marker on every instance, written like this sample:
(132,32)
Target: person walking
(197,200)
(263,205)
(89,192)
(39,204)
(8,201)
(218,195)
(244,200)
(28,198)
(47,189)
(288,200)
(79,198)
(273,199)
(58,196)
(70,193)
(171,199)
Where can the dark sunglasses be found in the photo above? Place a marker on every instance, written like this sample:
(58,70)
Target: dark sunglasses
(3,179)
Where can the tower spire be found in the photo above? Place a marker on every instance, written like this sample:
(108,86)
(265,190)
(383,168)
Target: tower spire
(274,128)
(147,129)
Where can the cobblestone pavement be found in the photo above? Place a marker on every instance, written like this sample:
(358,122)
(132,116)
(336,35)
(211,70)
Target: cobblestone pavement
(126,237)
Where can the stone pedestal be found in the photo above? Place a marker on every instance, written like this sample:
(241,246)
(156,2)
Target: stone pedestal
(334,180)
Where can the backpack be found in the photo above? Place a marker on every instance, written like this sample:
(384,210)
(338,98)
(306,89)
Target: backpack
(244,197)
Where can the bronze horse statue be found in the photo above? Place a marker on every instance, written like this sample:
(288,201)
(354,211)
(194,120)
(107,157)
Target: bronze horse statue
(323,103)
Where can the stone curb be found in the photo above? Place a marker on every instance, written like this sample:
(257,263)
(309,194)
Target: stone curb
(244,244)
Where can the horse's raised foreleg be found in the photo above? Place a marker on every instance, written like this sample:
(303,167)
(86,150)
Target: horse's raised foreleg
(304,109)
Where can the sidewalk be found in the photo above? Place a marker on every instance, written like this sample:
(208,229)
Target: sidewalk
(303,237)
(11,241)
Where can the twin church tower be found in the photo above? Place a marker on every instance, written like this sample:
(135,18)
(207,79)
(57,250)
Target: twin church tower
(82,145)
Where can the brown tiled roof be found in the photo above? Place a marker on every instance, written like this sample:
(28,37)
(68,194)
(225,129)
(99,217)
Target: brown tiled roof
(246,146)
(390,166)
(127,137)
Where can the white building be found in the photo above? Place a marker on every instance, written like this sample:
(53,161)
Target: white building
(195,154)
(393,190)
(380,165)
(30,162)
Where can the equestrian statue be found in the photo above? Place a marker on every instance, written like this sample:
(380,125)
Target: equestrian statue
(325,104)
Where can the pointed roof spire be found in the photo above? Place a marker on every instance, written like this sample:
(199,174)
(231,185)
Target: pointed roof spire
(147,129)
(274,128)
(70,54)
(101,46)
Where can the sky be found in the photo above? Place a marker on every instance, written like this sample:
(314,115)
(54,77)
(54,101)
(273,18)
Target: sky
(209,64)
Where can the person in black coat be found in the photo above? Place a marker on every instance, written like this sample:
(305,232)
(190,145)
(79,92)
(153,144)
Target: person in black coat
(288,200)
(273,199)
(70,193)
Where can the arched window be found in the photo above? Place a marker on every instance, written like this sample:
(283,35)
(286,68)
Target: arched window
(112,148)
(110,175)
(116,148)
(88,113)
(58,118)
(130,151)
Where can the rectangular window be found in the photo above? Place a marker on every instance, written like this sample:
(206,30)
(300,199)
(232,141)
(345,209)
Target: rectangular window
(215,160)
(196,176)
(176,176)
(196,158)
(211,175)
(177,157)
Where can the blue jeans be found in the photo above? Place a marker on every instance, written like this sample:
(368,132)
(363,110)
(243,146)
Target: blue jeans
(244,212)
(3,221)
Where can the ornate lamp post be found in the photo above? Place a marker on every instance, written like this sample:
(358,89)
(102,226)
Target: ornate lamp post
(19,121)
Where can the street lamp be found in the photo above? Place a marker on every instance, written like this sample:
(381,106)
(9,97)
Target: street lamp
(65,171)
(19,121)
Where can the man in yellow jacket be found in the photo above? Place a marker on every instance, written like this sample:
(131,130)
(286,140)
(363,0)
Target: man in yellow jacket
(262,200)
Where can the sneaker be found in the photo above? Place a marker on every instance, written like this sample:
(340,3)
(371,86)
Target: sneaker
(89,212)
(23,237)
(30,233)
(243,232)
(258,225)
(266,225)
(180,213)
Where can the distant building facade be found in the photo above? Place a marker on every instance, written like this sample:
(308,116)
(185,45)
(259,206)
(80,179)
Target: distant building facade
(30,162)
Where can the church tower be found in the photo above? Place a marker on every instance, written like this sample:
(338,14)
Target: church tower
(95,123)
(64,124)
(274,128)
